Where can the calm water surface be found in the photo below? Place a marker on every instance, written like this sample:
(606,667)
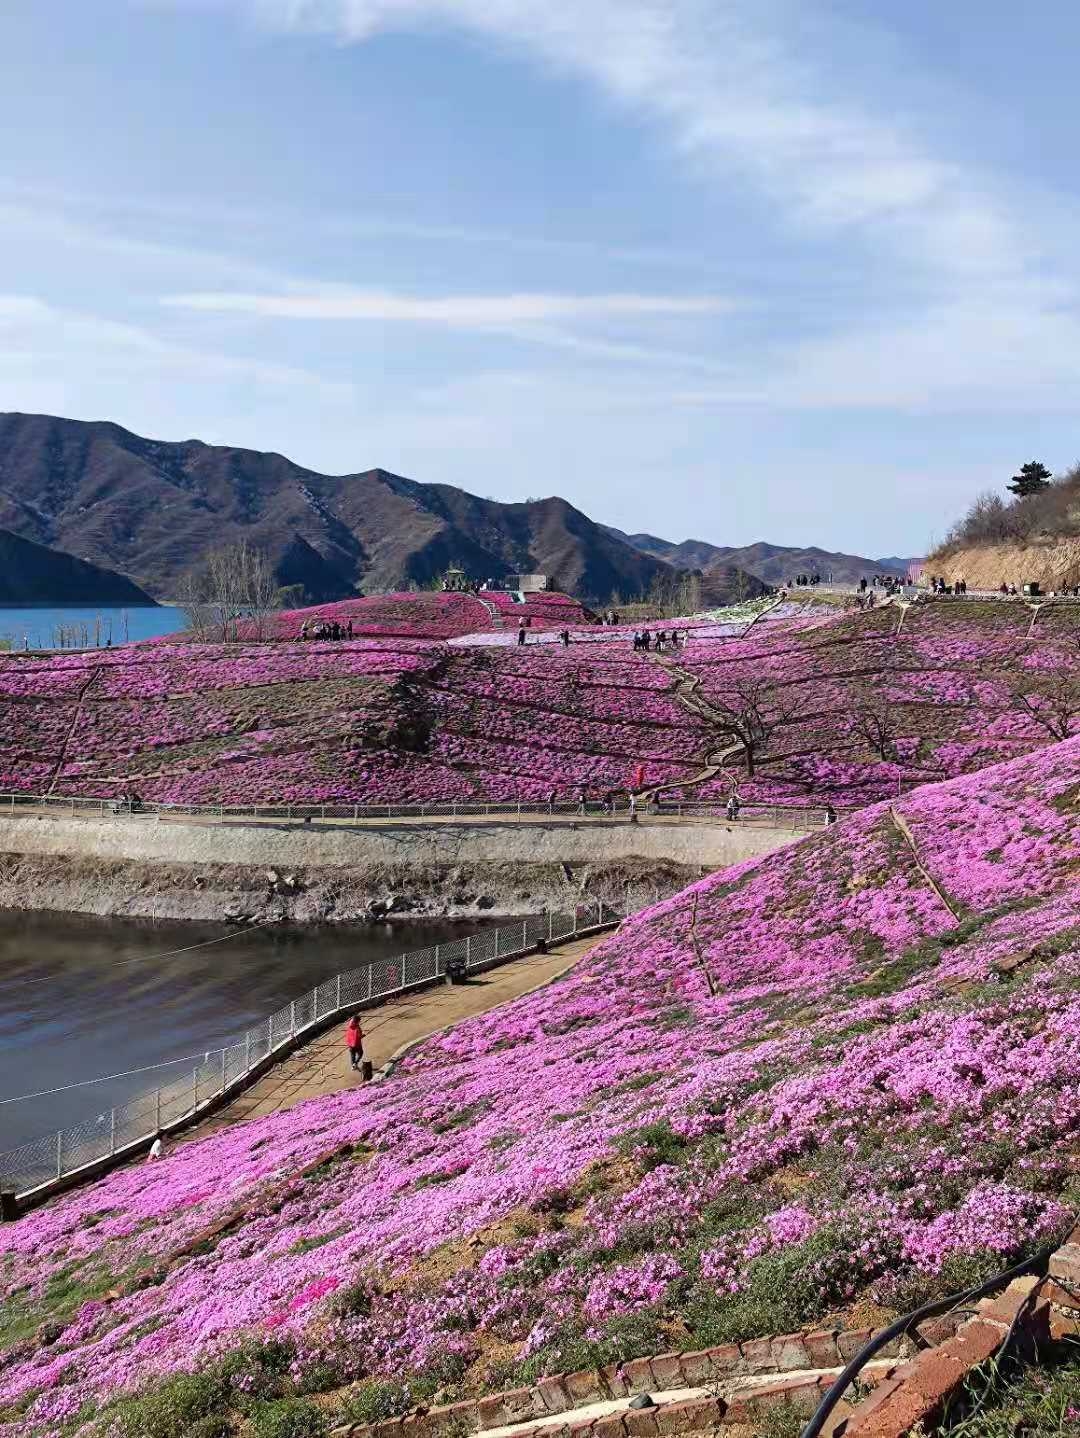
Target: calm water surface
(82,997)
(44,627)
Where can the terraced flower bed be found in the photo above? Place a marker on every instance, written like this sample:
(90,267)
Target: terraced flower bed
(419,614)
(815,1087)
(414,719)
(940,697)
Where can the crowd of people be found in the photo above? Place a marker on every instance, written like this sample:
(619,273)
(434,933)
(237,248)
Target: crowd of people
(645,640)
(938,585)
(323,629)
(889,582)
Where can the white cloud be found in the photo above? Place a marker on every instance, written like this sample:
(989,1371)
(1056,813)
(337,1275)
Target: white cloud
(456,311)
(723,76)
(748,89)
(36,336)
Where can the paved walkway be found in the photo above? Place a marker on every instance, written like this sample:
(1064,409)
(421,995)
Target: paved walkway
(322,1066)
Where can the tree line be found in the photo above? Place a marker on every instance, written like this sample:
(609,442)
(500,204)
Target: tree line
(1042,504)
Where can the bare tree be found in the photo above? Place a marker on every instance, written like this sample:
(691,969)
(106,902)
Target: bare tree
(873,719)
(675,595)
(1051,697)
(235,585)
(750,713)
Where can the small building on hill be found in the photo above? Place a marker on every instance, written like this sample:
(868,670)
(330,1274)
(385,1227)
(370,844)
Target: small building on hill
(527,583)
(456,581)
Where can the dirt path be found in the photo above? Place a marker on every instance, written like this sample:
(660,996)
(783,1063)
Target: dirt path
(62,759)
(322,1066)
(685,692)
(902,828)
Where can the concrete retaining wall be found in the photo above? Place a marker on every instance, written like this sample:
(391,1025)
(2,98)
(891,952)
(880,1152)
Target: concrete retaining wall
(327,846)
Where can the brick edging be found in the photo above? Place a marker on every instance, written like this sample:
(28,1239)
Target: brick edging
(1032,1309)
(559,1393)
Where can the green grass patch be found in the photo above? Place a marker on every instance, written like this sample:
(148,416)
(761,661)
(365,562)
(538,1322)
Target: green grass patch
(1042,1401)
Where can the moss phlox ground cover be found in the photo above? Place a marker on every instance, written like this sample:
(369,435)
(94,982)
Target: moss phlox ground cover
(847,1072)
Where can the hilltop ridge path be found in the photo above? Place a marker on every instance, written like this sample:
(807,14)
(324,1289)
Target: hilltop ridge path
(321,1066)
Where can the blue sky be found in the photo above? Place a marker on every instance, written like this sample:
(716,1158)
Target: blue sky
(736,269)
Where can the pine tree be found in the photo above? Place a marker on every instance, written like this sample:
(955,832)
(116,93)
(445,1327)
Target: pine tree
(1033,478)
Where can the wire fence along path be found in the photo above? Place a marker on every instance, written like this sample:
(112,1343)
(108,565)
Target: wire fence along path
(781,816)
(32,1169)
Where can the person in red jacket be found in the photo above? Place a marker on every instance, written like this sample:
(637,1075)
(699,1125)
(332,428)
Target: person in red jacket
(354,1040)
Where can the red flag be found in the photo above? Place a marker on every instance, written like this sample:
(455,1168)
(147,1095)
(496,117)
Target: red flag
(639,776)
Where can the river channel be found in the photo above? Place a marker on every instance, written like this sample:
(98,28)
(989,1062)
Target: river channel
(82,997)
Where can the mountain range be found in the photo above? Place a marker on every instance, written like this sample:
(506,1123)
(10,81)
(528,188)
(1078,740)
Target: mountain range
(774,563)
(152,510)
(33,574)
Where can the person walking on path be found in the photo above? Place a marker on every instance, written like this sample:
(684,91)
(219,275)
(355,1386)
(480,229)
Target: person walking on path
(156,1148)
(354,1041)
(521,634)
(733,808)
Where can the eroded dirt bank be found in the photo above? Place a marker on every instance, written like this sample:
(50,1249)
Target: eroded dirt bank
(314,873)
(1054,565)
(245,894)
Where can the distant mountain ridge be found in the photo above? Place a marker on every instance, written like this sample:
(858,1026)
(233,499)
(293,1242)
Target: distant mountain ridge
(153,510)
(33,574)
(773,563)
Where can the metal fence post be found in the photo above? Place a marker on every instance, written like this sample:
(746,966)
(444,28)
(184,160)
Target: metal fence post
(436,959)
(247,1051)
(292,1019)
(59,1153)
(112,1131)
(403,971)
(524,933)
(157,1110)
(194,1089)
(468,951)
(551,920)
(222,1070)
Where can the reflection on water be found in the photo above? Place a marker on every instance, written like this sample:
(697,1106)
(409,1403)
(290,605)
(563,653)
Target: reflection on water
(81,997)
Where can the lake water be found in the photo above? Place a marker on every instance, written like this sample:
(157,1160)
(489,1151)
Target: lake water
(82,997)
(45,627)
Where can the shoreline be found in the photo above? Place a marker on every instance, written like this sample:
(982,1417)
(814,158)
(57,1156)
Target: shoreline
(246,896)
(325,873)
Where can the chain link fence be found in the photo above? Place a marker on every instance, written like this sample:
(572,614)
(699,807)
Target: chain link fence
(781,815)
(33,1167)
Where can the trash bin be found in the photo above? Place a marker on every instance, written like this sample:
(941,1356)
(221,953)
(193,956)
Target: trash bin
(9,1206)
(456,972)
(1032,590)
(367,1070)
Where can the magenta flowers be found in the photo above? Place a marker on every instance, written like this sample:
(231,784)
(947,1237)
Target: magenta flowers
(845,1071)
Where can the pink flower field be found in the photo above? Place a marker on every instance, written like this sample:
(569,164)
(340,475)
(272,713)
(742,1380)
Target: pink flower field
(402,714)
(847,1074)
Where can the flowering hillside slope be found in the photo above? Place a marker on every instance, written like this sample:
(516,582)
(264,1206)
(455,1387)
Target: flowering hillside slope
(369,720)
(827,1082)
(391,718)
(863,708)
(422,614)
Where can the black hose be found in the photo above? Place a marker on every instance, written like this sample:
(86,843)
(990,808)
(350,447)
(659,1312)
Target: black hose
(1038,1263)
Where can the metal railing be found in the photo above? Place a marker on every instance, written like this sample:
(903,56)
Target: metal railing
(84,807)
(32,1169)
